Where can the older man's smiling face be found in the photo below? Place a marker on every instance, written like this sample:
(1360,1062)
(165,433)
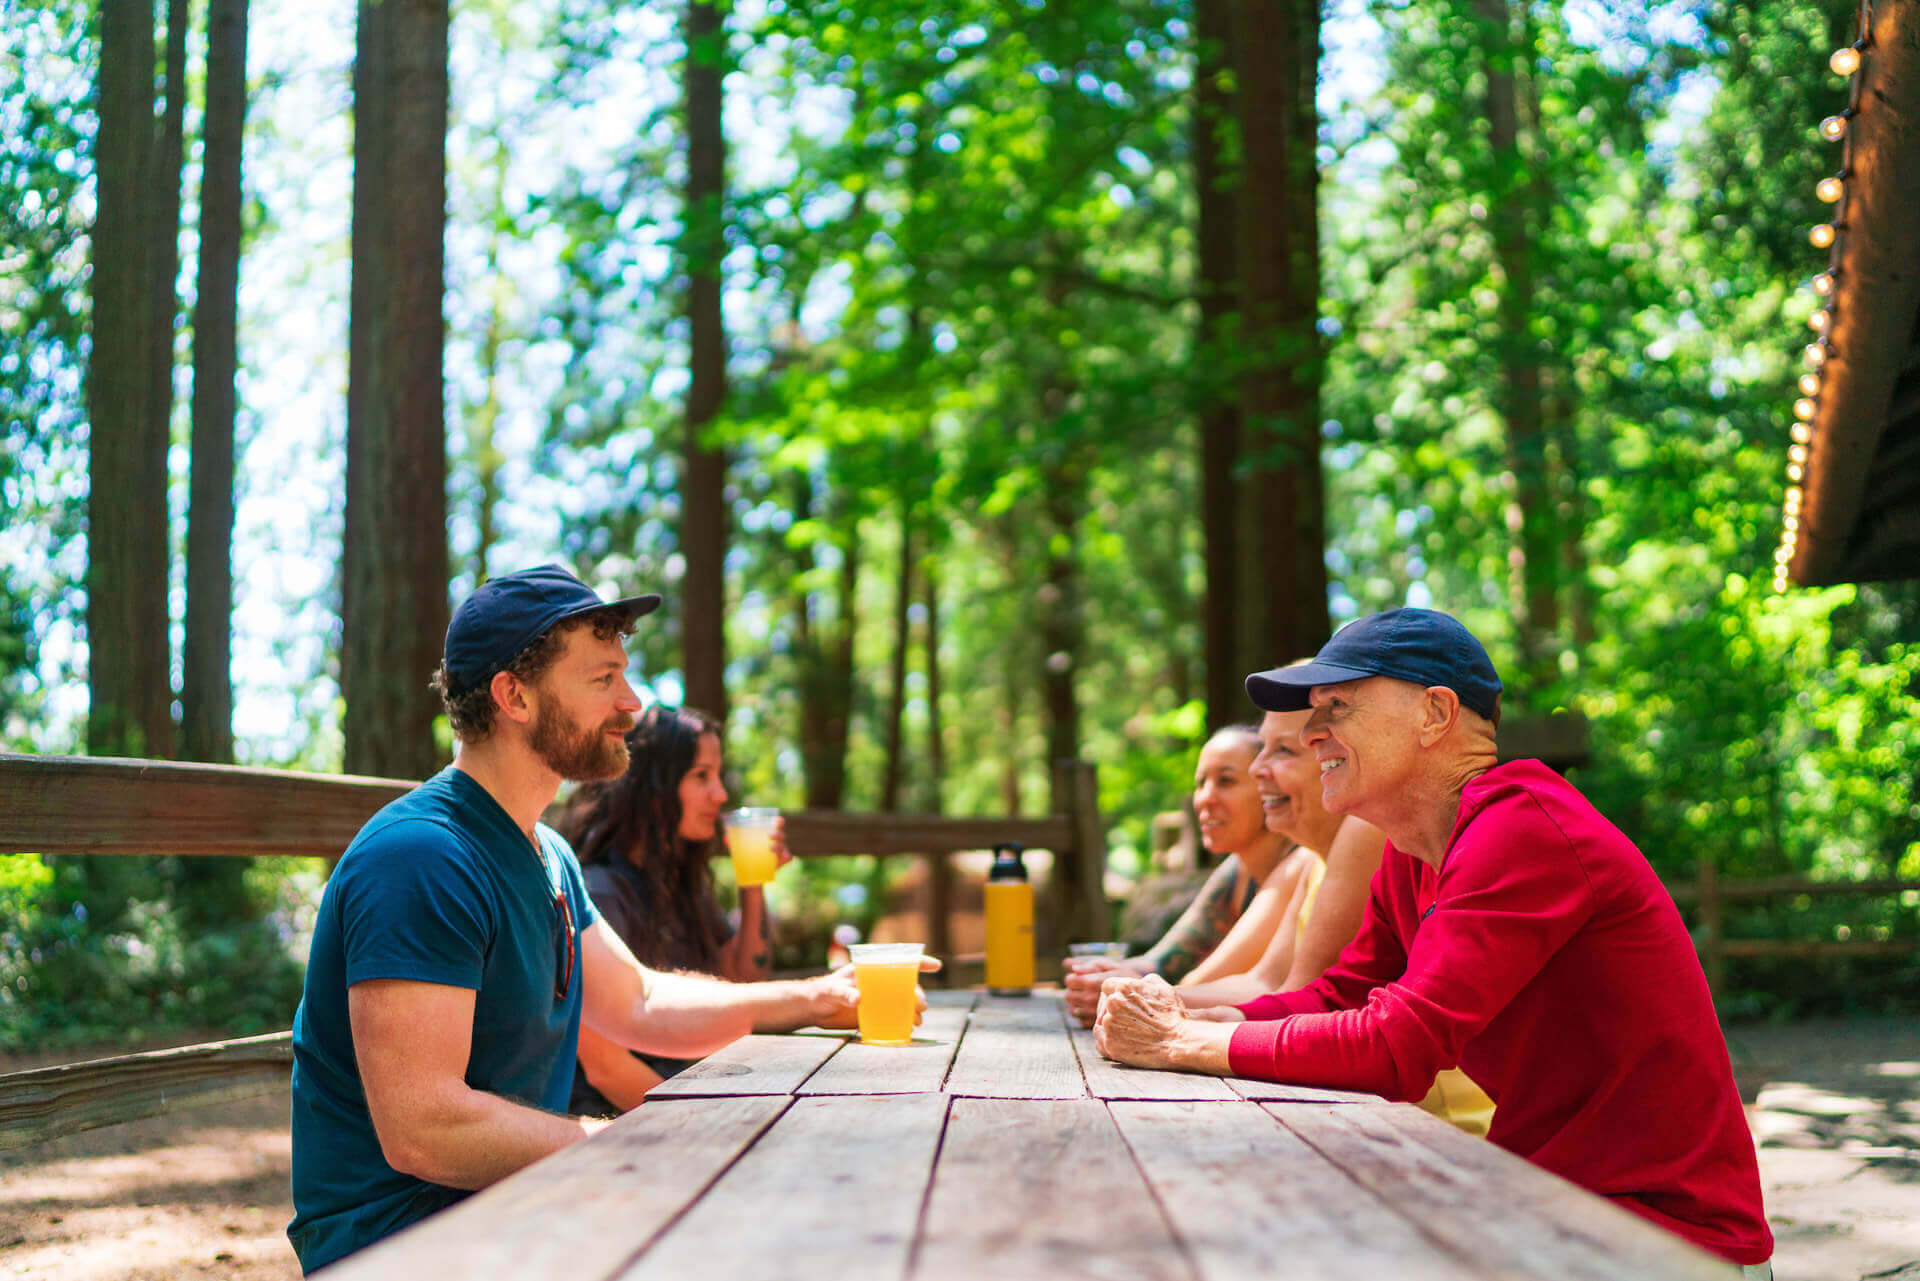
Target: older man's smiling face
(1364,736)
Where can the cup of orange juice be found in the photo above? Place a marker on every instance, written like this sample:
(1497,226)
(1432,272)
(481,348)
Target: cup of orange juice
(750,841)
(887,974)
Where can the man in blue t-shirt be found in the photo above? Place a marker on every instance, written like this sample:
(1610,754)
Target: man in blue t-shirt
(456,950)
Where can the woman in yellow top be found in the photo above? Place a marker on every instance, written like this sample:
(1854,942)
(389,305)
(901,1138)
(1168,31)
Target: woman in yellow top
(1243,903)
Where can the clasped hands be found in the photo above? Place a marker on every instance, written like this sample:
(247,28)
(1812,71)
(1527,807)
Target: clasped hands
(1139,1020)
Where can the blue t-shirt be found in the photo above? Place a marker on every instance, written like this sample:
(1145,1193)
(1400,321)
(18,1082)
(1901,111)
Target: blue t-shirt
(442,887)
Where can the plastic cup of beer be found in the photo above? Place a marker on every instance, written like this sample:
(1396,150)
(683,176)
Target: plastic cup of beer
(750,842)
(887,974)
(1108,951)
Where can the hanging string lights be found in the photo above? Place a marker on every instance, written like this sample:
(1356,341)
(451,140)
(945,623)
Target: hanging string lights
(1846,61)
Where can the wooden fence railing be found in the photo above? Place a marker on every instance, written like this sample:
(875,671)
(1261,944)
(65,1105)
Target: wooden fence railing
(1707,894)
(103,806)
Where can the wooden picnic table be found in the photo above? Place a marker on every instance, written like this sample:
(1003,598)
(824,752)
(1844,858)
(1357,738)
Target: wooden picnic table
(1000,1144)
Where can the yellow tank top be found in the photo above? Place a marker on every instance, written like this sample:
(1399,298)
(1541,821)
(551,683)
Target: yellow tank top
(1454,1096)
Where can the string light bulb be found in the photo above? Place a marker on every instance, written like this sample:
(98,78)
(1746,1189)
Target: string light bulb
(1818,320)
(1793,498)
(1803,408)
(1834,128)
(1830,189)
(1823,283)
(1809,384)
(1845,61)
(1802,433)
(1795,471)
(1797,453)
(1815,353)
(1821,235)
(1791,523)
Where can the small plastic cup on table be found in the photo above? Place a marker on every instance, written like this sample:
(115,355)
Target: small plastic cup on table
(750,841)
(1110,951)
(887,974)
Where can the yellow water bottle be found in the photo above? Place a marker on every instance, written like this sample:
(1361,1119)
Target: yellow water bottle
(1009,923)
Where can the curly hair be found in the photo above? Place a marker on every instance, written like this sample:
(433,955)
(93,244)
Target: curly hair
(636,817)
(470,712)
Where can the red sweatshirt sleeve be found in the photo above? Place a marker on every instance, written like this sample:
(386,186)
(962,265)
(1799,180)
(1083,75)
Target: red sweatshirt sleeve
(1509,893)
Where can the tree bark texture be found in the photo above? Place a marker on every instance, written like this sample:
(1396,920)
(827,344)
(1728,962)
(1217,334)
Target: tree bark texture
(206,689)
(129,677)
(1216,187)
(1281,515)
(825,658)
(1530,512)
(394,598)
(703,501)
(895,768)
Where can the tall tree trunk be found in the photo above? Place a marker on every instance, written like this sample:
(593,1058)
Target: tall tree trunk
(206,687)
(1215,187)
(1281,514)
(897,703)
(482,446)
(825,657)
(936,732)
(1530,509)
(129,677)
(703,502)
(1014,673)
(395,594)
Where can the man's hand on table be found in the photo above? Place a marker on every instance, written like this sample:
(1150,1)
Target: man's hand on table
(836,996)
(1085,974)
(1141,1021)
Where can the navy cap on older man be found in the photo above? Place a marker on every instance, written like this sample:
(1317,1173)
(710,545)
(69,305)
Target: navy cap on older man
(506,614)
(1419,645)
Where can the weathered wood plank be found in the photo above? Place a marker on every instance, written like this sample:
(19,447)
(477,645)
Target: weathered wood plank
(45,1103)
(1503,1216)
(919,1068)
(1252,1201)
(105,805)
(832,1191)
(1283,1092)
(1109,1080)
(582,1213)
(1029,1188)
(1014,1049)
(816,832)
(752,1065)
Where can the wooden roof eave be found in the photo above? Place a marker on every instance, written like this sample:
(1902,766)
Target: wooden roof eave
(1875,299)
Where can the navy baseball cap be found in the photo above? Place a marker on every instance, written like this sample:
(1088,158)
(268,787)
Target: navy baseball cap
(1419,645)
(506,614)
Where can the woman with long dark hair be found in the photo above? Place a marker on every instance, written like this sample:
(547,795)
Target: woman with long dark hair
(646,841)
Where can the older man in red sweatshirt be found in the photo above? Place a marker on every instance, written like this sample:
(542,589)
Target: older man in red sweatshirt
(1511,932)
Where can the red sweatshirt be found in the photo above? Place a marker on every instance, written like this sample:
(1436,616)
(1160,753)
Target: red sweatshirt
(1546,960)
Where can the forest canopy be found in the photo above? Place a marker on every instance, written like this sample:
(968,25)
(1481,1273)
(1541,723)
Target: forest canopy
(982,386)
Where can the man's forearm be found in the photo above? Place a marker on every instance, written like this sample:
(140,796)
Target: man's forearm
(1201,1046)
(469,1139)
(691,1015)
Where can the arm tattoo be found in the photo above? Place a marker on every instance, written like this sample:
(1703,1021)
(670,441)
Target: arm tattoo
(1201,927)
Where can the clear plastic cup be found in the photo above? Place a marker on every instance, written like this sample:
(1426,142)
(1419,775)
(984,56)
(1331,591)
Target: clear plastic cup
(887,974)
(750,842)
(1111,951)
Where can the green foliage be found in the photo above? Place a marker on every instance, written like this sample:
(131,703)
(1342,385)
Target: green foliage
(104,949)
(958,289)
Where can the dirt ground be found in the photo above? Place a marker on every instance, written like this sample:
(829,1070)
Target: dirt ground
(1835,1106)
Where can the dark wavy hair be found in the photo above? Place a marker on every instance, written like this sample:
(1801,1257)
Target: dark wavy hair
(636,817)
